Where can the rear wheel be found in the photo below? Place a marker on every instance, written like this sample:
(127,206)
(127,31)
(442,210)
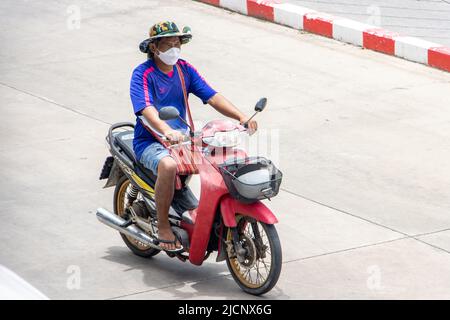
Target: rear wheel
(120,200)
(258,270)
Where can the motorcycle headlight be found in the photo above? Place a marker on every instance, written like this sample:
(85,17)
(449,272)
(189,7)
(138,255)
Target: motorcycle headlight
(224,139)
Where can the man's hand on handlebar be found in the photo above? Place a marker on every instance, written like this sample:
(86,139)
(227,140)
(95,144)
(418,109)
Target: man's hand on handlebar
(174,136)
(252,125)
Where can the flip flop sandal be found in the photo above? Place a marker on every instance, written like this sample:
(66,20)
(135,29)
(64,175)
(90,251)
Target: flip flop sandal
(174,242)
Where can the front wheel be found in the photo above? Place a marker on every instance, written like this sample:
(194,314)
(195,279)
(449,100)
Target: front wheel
(256,270)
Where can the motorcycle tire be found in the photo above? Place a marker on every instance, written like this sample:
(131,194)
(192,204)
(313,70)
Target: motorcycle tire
(238,271)
(119,209)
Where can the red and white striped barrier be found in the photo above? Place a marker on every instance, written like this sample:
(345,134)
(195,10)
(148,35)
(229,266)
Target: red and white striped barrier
(345,30)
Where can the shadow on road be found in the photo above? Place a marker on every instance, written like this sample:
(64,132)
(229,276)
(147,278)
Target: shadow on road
(170,278)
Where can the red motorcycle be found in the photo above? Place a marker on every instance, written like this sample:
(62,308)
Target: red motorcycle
(228,218)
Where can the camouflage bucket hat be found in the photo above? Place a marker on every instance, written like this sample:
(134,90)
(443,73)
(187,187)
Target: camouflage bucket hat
(165,29)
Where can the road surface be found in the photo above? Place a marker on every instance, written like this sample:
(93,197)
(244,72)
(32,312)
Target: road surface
(363,145)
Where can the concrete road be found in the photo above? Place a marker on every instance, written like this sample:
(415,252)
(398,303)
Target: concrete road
(363,145)
(426,19)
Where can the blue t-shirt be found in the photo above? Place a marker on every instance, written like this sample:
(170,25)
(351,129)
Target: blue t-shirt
(151,87)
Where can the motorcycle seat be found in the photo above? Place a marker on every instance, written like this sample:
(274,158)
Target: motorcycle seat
(183,198)
(125,141)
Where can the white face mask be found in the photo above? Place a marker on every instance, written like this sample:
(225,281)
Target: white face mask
(170,57)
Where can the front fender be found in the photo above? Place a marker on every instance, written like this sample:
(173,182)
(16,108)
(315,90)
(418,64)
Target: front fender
(229,207)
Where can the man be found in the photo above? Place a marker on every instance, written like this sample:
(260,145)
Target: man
(156,84)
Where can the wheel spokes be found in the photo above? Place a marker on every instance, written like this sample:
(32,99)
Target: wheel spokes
(123,199)
(256,274)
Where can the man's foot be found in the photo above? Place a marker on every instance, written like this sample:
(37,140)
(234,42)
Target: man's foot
(172,242)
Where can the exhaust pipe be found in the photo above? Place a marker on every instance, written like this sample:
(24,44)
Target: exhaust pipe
(114,221)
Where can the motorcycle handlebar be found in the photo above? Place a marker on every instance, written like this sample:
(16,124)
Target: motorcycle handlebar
(188,139)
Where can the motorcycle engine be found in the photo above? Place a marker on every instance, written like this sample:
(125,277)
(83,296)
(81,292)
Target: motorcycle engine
(140,209)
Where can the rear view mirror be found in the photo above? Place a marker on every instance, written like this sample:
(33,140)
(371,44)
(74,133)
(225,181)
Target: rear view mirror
(261,104)
(168,113)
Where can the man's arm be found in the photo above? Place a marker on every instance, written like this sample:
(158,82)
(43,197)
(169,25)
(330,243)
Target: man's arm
(203,90)
(225,107)
(151,115)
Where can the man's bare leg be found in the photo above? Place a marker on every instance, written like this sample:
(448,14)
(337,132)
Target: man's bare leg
(164,189)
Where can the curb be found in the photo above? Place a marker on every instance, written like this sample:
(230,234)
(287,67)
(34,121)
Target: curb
(341,29)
